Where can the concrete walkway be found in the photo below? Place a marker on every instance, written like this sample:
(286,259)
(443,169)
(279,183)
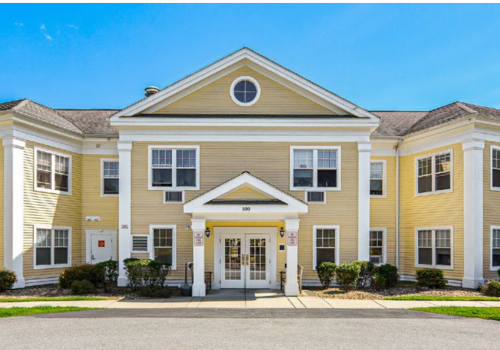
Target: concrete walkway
(254,299)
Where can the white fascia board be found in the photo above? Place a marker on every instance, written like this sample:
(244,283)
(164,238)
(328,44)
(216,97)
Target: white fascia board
(385,148)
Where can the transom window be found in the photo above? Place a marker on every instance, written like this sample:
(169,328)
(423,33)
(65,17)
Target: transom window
(325,240)
(434,173)
(164,245)
(52,247)
(52,172)
(495,248)
(315,168)
(495,168)
(434,247)
(245,91)
(377,178)
(110,177)
(377,246)
(174,168)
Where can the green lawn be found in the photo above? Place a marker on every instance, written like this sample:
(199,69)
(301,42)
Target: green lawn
(18,300)
(487,313)
(38,310)
(442,298)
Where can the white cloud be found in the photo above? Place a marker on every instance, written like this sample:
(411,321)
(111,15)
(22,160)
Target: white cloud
(43,29)
(73,26)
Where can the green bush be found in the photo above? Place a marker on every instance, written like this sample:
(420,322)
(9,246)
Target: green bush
(79,273)
(7,279)
(390,274)
(346,275)
(108,272)
(378,281)
(491,289)
(155,292)
(366,270)
(146,273)
(498,273)
(326,273)
(432,278)
(82,287)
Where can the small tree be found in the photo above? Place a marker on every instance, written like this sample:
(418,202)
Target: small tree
(326,273)
(347,274)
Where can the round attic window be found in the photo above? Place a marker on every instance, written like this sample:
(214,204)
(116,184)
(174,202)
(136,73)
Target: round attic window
(245,91)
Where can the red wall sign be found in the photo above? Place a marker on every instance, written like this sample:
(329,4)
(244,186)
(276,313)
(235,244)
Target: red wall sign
(101,244)
(292,238)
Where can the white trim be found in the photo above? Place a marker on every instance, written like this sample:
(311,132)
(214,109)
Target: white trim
(337,242)
(433,173)
(313,202)
(493,268)
(233,85)
(88,241)
(52,172)
(384,242)
(384,178)
(114,160)
(315,149)
(148,245)
(433,229)
(183,195)
(32,282)
(364,149)
(174,149)
(174,242)
(52,246)
(493,147)
(124,209)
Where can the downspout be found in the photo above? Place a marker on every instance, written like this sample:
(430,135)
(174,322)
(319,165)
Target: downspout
(397,203)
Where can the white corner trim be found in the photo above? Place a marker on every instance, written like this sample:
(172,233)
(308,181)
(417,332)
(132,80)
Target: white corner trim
(364,149)
(174,242)
(337,243)
(53,173)
(384,178)
(433,229)
(124,210)
(233,85)
(101,176)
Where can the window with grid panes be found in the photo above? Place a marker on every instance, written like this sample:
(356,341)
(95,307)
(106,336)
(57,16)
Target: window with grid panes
(52,171)
(434,247)
(495,248)
(163,245)
(495,168)
(52,247)
(111,177)
(434,173)
(377,179)
(325,245)
(377,247)
(315,168)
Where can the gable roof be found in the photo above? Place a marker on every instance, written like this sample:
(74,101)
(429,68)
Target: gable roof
(342,105)
(92,122)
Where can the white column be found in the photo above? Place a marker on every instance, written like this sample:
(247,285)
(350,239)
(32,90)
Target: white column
(125,202)
(364,149)
(198,227)
(292,258)
(473,213)
(13,198)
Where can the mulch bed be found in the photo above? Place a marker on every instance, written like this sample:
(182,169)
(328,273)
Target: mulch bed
(403,289)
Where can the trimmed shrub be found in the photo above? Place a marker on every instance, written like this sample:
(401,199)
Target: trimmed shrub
(347,274)
(491,289)
(326,273)
(498,273)
(108,272)
(80,273)
(82,287)
(156,293)
(7,279)
(378,281)
(366,270)
(431,278)
(147,273)
(390,274)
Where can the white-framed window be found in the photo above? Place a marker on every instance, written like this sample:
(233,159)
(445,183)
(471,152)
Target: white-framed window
(52,247)
(325,244)
(434,247)
(110,177)
(52,171)
(495,248)
(315,167)
(495,168)
(174,167)
(140,244)
(378,246)
(434,173)
(163,243)
(245,91)
(378,178)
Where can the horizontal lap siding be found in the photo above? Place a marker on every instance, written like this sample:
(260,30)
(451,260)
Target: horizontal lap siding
(432,210)
(491,211)
(245,193)
(215,99)
(222,161)
(383,210)
(51,209)
(1,205)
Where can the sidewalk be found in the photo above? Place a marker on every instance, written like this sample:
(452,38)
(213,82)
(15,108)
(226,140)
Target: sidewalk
(266,299)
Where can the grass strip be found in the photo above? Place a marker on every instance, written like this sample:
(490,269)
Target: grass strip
(442,298)
(39,310)
(19,300)
(486,313)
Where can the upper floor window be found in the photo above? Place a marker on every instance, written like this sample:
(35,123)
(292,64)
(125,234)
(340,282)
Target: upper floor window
(377,178)
(52,247)
(53,172)
(315,167)
(174,167)
(325,244)
(434,248)
(434,173)
(110,177)
(495,168)
(245,91)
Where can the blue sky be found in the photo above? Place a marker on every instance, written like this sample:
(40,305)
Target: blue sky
(381,57)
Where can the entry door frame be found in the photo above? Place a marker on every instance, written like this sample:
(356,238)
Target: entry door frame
(88,241)
(271,231)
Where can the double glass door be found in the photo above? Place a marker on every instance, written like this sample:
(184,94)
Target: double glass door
(245,261)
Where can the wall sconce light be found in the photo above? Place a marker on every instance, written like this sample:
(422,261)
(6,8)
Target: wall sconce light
(207,232)
(282,233)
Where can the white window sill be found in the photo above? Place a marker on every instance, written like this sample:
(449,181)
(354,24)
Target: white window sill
(45,190)
(173,189)
(380,196)
(495,189)
(44,267)
(432,193)
(440,267)
(313,189)
(109,195)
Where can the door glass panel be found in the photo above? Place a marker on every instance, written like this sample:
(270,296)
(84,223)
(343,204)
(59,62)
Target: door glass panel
(257,259)
(232,259)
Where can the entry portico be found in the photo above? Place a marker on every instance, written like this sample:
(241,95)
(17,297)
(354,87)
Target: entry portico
(249,208)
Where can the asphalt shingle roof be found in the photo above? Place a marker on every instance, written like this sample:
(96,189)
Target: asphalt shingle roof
(90,121)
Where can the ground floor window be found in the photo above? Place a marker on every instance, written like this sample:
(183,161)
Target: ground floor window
(434,247)
(52,247)
(164,244)
(325,244)
(377,245)
(495,247)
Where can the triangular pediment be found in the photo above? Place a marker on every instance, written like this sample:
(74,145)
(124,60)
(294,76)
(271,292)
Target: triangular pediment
(248,191)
